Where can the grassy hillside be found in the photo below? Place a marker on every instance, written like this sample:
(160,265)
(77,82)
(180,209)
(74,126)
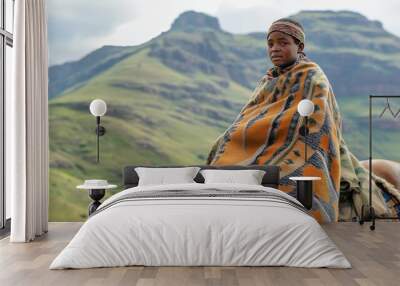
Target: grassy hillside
(155,116)
(170,98)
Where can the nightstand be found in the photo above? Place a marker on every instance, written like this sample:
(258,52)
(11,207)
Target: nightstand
(97,190)
(304,190)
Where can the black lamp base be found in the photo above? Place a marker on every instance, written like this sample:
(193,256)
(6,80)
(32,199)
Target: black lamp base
(304,193)
(96,195)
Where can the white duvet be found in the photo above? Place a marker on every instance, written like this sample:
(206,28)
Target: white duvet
(200,231)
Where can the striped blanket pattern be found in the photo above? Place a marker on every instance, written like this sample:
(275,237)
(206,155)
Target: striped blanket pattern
(266,131)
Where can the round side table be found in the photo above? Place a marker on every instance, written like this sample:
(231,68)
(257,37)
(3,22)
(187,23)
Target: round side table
(96,192)
(304,190)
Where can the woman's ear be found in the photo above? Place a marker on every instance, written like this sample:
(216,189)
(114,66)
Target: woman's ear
(300,47)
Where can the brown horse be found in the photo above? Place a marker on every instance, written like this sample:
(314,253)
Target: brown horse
(388,170)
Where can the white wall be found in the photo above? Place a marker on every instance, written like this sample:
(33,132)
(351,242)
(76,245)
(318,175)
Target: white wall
(8,97)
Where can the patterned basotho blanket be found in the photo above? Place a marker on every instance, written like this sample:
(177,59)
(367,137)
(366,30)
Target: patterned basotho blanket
(266,131)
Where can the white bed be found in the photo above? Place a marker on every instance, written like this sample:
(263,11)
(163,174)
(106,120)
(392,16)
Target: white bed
(208,230)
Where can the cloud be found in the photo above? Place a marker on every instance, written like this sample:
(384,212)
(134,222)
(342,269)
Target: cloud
(248,19)
(257,15)
(75,26)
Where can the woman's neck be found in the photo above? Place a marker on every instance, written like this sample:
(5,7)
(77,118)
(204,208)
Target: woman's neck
(285,65)
(278,70)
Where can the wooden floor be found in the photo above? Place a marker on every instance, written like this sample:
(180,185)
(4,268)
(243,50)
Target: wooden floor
(375,257)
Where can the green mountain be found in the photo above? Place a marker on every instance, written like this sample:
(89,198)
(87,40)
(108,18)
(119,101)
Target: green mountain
(169,98)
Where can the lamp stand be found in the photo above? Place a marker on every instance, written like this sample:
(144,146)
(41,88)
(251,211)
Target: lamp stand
(96,195)
(305,140)
(304,192)
(304,132)
(100,131)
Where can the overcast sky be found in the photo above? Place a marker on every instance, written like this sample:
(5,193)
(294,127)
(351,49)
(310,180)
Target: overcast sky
(77,27)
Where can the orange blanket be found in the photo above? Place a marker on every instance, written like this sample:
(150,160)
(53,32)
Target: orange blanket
(266,131)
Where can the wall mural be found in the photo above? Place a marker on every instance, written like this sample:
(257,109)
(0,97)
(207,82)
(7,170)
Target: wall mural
(169,98)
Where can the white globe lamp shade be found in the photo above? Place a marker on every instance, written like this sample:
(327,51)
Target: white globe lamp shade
(98,107)
(305,107)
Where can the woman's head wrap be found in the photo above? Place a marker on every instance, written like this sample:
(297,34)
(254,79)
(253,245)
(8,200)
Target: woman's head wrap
(290,27)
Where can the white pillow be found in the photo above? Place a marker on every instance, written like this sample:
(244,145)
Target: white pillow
(248,177)
(162,176)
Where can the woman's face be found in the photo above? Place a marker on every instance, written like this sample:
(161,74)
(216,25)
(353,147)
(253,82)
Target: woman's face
(282,48)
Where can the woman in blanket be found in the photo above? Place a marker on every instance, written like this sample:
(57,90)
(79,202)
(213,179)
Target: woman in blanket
(267,131)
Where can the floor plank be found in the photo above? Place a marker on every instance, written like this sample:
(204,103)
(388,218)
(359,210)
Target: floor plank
(374,255)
